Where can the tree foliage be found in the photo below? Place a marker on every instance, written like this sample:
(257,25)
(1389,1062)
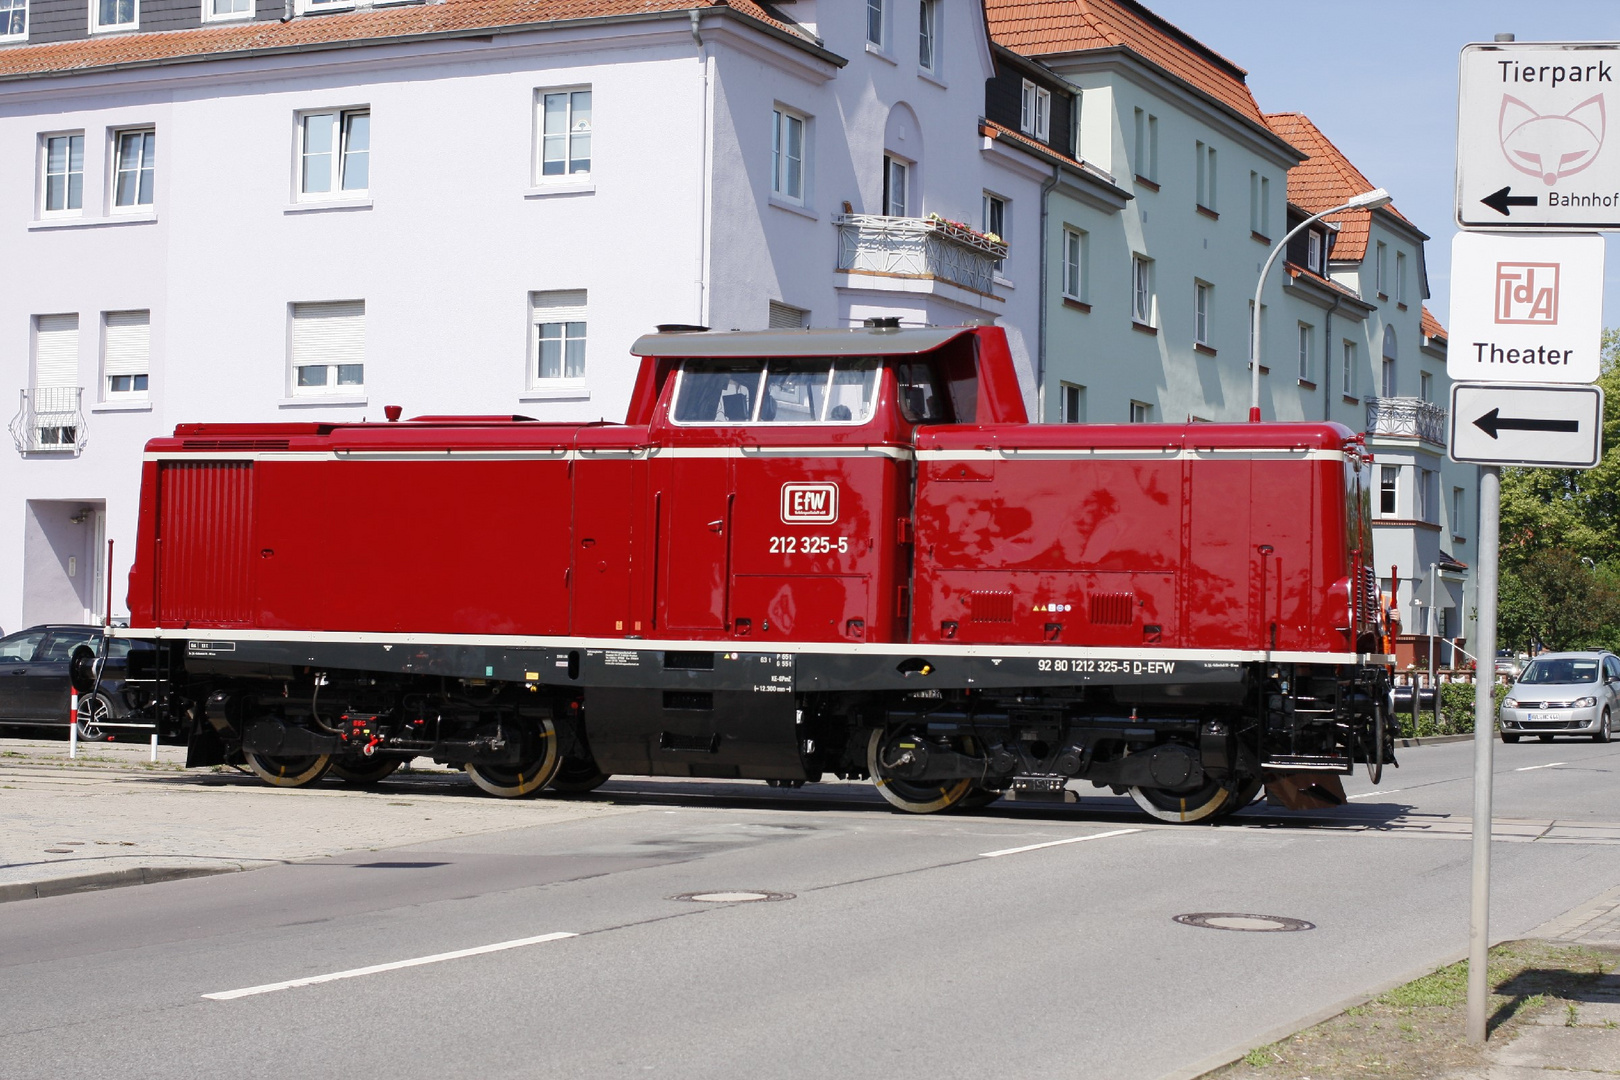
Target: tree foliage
(1560,542)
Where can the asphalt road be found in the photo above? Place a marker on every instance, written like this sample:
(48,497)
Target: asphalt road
(901,946)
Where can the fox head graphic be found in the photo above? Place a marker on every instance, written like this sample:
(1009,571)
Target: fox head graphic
(1551,146)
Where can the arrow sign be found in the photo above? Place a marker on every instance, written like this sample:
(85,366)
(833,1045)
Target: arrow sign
(1526,424)
(1491,423)
(1500,200)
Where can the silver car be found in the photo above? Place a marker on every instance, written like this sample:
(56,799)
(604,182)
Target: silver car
(1574,693)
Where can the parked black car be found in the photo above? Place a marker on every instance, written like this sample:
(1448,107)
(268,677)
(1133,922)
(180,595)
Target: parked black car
(35,686)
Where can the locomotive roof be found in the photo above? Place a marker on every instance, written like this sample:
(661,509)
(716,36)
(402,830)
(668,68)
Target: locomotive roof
(852,341)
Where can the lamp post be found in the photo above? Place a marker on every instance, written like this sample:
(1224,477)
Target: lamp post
(1367,200)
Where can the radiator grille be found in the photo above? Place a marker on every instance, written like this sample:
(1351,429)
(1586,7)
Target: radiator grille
(992,607)
(236,444)
(1112,609)
(205,516)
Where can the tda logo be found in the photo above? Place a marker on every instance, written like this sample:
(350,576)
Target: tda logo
(809,504)
(1527,293)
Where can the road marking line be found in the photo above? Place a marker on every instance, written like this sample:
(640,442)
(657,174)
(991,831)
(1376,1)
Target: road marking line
(1532,768)
(501,946)
(1054,843)
(1369,794)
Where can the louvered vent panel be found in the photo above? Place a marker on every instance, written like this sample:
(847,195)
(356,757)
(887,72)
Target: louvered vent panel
(205,516)
(236,444)
(995,607)
(1113,609)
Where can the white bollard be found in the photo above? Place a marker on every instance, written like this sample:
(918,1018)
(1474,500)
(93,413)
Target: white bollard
(154,748)
(73,723)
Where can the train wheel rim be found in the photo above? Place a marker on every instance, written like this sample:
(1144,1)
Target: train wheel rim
(914,798)
(288,771)
(362,771)
(1179,808)
(529,776)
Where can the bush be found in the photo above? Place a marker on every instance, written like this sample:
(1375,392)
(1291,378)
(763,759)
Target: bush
(1456,711)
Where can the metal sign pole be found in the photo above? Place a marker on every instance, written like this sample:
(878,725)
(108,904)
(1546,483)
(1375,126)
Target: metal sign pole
(1490,506)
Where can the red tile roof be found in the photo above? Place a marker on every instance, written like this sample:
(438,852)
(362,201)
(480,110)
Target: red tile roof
(1049,27)
(1024,142)
(1326,178)
(389,22)
(1431,325)
(1293,269)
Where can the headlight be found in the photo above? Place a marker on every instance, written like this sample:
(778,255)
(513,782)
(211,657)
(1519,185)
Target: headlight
(1586,703)
(1510,703)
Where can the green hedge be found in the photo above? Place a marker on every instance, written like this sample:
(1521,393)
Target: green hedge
(1456,712)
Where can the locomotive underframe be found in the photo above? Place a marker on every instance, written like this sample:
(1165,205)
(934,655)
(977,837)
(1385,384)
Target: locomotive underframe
(931,726)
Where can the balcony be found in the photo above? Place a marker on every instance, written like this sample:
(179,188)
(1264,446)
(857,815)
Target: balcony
(918,248)
(1407,417)
(50,420)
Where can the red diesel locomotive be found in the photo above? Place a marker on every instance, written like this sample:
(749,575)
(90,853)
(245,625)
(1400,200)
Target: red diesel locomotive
(804,552)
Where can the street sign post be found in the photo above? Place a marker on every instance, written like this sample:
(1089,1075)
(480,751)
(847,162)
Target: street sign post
(1531,148)
(1496,424)
(1525,308)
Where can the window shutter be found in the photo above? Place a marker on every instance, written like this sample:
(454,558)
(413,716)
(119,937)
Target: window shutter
(56,350)
(329,333)
(562,306)
(788,317)
(129,342)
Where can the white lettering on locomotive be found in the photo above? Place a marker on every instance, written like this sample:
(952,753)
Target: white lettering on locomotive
(809,504)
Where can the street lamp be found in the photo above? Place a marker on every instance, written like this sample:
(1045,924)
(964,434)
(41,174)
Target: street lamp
(1367,200)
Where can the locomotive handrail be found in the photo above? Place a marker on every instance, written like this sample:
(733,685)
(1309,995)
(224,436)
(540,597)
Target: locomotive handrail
(614,451)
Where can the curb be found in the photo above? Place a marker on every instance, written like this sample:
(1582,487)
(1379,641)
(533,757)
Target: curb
(109,879)
(1434,740)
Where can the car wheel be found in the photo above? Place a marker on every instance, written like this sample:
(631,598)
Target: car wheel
(94,710)
(1603,731)
(1509,739)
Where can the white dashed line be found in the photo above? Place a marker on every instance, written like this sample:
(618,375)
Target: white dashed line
(1054,843)
(1533,768)
(1369,794)
(352,973)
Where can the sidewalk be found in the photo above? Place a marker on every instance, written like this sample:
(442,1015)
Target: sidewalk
(113,818)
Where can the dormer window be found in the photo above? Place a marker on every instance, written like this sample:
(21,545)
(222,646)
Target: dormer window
(1034,117)
(1315,242)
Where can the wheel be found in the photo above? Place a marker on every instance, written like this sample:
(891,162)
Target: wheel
(1603,733)
(978,798)
(1184,808)
(93,711)
(1545,738)
(364,771)
(1375,759)
(1509,739)
(1242,796)
(537,765)
(289,770)
(576,776)
(914,797)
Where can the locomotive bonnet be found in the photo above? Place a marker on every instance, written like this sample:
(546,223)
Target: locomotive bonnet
(803,553)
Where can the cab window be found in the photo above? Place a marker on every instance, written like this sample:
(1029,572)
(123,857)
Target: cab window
(814,390)
(921,401)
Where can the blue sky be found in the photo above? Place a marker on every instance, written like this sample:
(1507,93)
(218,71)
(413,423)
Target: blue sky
(1379,77)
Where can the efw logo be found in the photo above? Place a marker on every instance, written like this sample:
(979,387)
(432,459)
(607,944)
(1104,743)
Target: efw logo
(1551,147)
(809,504)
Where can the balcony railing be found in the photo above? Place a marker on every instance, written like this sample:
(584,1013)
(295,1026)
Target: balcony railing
(50,419)
(1410,417)
(918,248)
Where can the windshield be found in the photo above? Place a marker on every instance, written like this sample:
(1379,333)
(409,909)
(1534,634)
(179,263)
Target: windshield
(1545,672)
(782,391)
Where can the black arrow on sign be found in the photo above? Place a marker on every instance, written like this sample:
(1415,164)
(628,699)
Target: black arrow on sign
(1501,200)
(1491,423)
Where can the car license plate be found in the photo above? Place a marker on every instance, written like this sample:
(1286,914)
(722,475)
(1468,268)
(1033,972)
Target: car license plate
(1545,716)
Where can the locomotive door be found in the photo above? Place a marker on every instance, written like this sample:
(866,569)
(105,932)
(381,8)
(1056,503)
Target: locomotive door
(694,551)
(609,519)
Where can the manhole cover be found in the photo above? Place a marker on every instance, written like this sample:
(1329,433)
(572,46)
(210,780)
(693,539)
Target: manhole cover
(733,897)
(1236,920)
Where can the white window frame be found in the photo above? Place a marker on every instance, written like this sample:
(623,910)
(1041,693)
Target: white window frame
(1142,299)
(340,120)
(1400,277)
(209,15)
(99,27)
(1073,255)
(1141,412)
(1260,205)
(1426,386)
(1379,276)
(782,121)
(115,163)
(1145,162)
(1313,250)
(1307,347)
(1201,296)
(143,377)
(1347,371)
(877,17)
(566,309)
(1389,479)
(1205,168)
(332,387)
(993,219)
(1427,492)
(928,36)
(1071,403)
(65,210)
(311,7)
(9,16)
(571,132)
(1459,504)
(1389,374)
(896,166)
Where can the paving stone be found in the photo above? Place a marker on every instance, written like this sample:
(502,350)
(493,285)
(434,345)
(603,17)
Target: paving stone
(1563,1049)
